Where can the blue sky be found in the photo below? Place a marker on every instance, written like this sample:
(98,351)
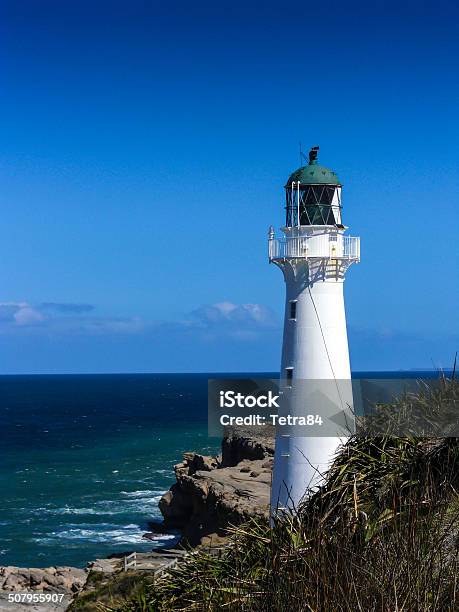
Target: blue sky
(145,146)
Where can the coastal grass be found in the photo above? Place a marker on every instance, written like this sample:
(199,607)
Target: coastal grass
(103,591)
(382,534)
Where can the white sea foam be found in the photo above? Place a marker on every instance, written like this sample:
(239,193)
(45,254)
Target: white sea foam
(68,510)
(104,532)
(143,494)
(131,502)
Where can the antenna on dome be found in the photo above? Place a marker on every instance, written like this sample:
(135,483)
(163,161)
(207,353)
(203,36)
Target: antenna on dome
(302,156)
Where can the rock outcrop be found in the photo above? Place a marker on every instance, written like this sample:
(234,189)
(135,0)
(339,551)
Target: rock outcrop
(49,580)
(60,584)
(250,444)
(212,493)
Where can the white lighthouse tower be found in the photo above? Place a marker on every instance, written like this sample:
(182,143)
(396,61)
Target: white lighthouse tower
(314,254)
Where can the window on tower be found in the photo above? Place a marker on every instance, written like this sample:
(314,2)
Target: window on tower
(315,205)
(293,309)
(288,376)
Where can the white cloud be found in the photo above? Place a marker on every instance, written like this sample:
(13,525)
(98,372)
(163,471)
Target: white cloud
(28,316)
(20,313)
(237,316)
(209,323)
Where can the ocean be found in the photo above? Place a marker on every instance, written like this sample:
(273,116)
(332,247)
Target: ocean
(85,459)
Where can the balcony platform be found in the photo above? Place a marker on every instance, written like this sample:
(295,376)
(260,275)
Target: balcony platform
(316,246)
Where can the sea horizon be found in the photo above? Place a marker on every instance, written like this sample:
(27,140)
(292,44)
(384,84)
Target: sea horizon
(222,373)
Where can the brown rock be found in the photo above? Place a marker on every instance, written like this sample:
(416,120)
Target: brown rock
(63,579)
(36,576)
(250,443)
(212,493)
(14,582)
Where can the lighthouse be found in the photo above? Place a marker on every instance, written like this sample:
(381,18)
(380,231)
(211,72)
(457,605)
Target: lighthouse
(314,254)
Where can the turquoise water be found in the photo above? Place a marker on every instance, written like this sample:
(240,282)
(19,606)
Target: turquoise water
(85,459)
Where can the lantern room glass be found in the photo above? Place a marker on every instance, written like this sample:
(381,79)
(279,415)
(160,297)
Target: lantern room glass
(316,204)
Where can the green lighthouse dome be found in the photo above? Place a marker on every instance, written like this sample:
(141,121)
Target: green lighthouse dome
(313,173)
(313,195)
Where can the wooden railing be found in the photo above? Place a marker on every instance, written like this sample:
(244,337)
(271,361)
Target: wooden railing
(130,561)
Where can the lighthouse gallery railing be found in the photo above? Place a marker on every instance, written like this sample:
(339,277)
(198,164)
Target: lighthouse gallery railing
(328,246)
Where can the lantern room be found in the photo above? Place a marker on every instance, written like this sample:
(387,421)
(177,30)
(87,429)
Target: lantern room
(313,195)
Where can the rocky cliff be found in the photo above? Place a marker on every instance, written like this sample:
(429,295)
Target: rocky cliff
(63,581)
(213,492)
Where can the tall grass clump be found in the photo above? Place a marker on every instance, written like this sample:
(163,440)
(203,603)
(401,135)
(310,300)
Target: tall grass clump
(380,535)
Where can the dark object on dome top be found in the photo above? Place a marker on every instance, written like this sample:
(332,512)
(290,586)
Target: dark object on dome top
(313,154)
(313,173)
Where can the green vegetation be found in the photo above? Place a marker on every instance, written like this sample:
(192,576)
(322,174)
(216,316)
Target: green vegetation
(381,535)
(104,591)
